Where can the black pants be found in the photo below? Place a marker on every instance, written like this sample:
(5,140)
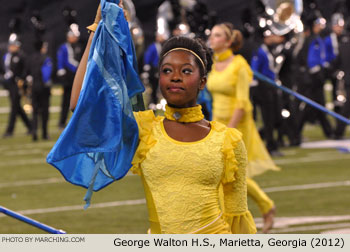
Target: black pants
(289,125)
(330,74)
(67,90)
(41,103)
(266,98)
(345,111)
(334,82)
(314,91)
(16,109)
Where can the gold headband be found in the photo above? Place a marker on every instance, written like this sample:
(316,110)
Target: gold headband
(187,50)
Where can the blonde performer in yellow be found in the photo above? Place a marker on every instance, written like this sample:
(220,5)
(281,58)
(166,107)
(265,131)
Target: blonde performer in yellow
(228,83)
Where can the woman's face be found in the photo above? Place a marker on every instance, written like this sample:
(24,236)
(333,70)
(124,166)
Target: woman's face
(218,39)
(180,80)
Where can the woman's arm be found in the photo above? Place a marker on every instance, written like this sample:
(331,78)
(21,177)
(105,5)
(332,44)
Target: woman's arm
(236,211)
(236,118)
(242,97)
(79,75)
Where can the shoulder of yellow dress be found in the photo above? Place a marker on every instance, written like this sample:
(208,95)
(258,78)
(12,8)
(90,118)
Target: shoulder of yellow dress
(146,117)
(242,63)
(235,133)
(240,59)
(145,114)
(220,127)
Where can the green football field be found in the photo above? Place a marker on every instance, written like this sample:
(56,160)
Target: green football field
(311,192)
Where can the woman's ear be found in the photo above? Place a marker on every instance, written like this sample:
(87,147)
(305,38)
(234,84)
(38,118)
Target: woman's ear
(202,83)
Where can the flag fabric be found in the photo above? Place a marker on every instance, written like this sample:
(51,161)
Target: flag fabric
(206,101)
(98,144)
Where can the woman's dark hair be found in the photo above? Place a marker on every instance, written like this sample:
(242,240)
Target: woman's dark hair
(195,45)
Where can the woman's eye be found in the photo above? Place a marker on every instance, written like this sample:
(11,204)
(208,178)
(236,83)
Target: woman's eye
(187,71)
(166,70)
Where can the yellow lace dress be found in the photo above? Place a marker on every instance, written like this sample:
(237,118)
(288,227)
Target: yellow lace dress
(182,179)
(230,91)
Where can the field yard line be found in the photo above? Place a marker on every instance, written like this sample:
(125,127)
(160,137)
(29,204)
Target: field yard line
(282,222)
(17,153)
(45,144)
(23,162)
(289,152)
(310,228)
(307,186)
(311,159)
(337,231)
(32,182)
(4,93)
(52,180)
(80,207)
(325,153)
(36,145)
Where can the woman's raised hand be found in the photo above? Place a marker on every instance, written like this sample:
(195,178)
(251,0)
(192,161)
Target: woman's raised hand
(98,16)
(125,12)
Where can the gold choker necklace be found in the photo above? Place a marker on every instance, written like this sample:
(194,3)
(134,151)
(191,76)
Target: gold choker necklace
(186,115)
(223,55)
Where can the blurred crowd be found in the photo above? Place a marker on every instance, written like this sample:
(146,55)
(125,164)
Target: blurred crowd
(309,58)
(29,77)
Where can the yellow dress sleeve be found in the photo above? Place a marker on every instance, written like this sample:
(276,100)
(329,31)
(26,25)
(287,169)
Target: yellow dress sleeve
(145,120)
(244,79)
(234,181)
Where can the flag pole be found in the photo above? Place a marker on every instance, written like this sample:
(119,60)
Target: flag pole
(30,221)
(301,97)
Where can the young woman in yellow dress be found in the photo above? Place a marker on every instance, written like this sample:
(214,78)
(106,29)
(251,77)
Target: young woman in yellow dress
(228,83)
(183,159)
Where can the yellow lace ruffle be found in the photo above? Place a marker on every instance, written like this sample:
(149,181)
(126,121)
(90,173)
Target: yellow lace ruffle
(145,120)
(242,223)
(232,137)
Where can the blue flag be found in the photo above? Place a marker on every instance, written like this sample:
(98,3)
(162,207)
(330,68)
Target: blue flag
(206,101)
(98,144)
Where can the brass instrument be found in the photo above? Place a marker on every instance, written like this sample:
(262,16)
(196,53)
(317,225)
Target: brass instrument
(283,16)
